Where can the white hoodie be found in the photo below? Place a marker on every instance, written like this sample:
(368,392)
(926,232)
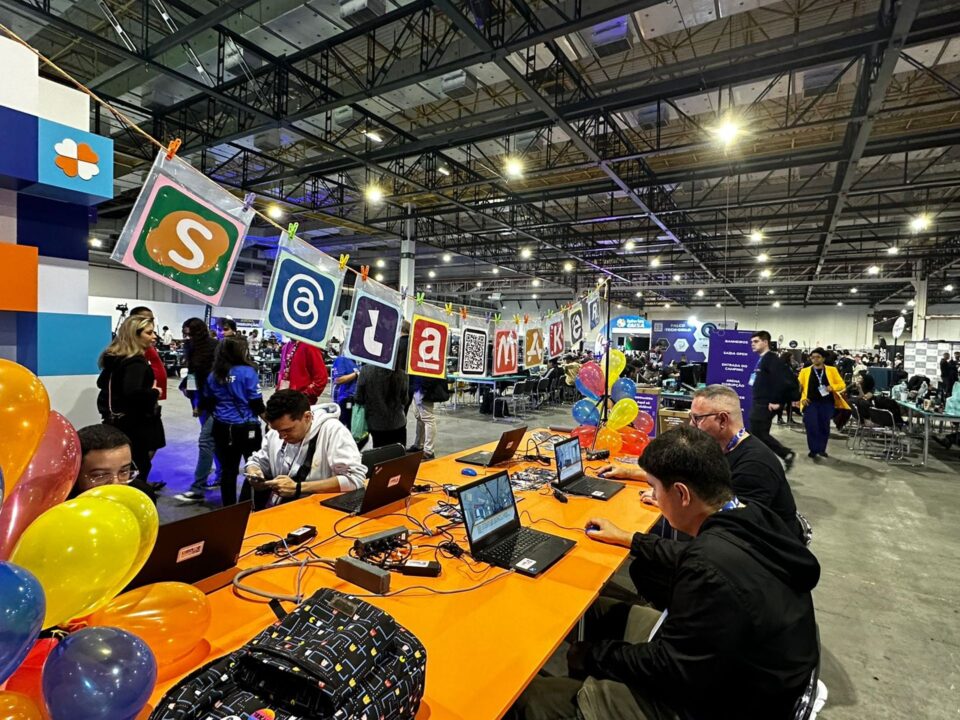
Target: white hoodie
(336,453)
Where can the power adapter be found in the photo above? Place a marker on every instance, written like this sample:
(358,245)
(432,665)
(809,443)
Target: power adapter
(421,568)
(294,537)
(598,454)
(367,576)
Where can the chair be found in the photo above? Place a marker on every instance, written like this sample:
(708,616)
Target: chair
(541,394)
(377,456)
(895,442)
(555,387)
(513,401)
(814,696)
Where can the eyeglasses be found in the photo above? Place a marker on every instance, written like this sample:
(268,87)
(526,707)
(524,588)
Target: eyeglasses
(696,419)
(126,475)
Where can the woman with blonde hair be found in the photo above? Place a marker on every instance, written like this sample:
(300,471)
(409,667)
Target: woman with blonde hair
(129,395)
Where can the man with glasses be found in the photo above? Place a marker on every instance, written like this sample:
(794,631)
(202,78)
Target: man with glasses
(106,460)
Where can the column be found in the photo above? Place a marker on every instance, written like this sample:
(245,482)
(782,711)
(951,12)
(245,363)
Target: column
(920,309)
(408,264)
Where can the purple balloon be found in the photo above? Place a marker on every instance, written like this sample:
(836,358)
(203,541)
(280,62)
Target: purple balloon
(99,673)
(22,607)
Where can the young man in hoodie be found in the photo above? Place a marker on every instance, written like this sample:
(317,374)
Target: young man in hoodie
(305,450)
(738,639)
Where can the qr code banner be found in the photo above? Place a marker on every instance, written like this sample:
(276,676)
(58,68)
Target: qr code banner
(473,351)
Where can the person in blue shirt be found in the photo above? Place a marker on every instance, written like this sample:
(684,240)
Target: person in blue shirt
(232,393)
(345,373)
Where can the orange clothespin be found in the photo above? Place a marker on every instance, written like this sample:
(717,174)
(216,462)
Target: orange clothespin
(364,272)
(526,318)
(173,147)
(344,259)
(463,313)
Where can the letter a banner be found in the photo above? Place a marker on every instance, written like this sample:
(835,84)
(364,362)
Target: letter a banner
(533,350)
(304,292)
(375,319)
(184,231)
(505,350)
(429,339)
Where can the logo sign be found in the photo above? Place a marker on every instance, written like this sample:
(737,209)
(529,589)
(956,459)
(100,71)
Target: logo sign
(899,326)
(533,348)
(555,338)
(428,347)
(576,326)
(373,335)
(505,352)
(593,312)
(303,300)
(473,352)
(188,552)
(185,242)
(793,344)
(74,161)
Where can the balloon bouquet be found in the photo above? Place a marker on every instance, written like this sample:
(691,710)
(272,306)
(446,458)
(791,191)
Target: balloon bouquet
(627,427)
(62,564)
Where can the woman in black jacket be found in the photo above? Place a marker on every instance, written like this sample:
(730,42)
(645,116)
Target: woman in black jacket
(383,393)
(129,396)
(198,351)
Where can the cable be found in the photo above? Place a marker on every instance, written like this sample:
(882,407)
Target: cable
(434,591)
(298,598)
(534,521)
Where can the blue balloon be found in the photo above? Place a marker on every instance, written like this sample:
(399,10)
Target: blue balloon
(584,391)
(586,413)
(99,673)
(623,388)
(22,607)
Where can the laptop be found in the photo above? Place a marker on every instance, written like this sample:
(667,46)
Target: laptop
(509,442)
(202,549)
(570,476)
(495,534)
(389,482)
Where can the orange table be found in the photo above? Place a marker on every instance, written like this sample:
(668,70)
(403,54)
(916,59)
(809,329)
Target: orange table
(483,646)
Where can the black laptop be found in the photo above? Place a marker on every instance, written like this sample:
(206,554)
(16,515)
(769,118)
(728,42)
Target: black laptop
(509,442)
(200,549)
(495,534)
(570,476)
(389,481)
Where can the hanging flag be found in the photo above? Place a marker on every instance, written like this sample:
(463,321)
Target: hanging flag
(592,311)
(533,349)
(184,230)
(375,318)
(429,339)
(555,337)
(304,292)
(474,342)
(576,325)
(505,351)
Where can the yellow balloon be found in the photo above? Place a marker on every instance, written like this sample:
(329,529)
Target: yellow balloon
(618,361)
(24,410)
(623,413)
(79,550)
(143,509)
(608,439)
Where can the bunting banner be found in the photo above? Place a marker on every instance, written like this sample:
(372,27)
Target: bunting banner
(429,341)
(506,356)
(304,292)
(533,346)
(554,340)
(474,346)
(375,319)
(591,311)
(576,324)
(184,230)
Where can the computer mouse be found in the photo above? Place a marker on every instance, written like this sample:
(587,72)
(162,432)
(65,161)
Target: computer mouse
(469,471)
(591,527)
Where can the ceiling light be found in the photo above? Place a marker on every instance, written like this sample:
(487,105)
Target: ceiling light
(429,287)
(762,257)
(568,266)
(699,293)
(893,250)
(911,303)
(373,135)
(443,171)
(275,212)
(536,282)
(380,263)
(920,222)
(526,253)
(719,305)
(873,270)
(853,291)
(496,271)
(727,132)
(840,304)
(692,320)
(654,262)
(639,293)
(765,272)
(378,277)
(903,312)
(666,306)
(447,257)
(771,291)
(513,167)
(373,193)
(535,296)
(96,242)
(619,306)
(756,236)
(629,245)
(676,278)
(948,288)
(776,303)
(479,284)
(432,274)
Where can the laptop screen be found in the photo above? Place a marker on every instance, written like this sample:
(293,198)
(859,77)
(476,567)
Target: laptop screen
(569,462)
(488,506)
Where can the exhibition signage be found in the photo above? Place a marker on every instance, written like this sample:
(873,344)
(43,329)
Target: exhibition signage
(375,318)
(576,325)
(649,404)
(731,363)
(505,358)
(429,337)
(533,347)
(555,337)
(474,341)
(677,338)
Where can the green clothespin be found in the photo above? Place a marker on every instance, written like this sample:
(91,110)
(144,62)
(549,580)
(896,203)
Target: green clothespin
(292,229)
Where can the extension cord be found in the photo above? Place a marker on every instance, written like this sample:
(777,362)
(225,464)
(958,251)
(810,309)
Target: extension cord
(367,576)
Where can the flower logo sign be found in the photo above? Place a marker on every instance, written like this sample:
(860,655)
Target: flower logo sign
(76,159)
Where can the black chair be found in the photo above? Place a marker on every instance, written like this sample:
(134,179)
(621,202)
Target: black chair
(377,456)
(803,709)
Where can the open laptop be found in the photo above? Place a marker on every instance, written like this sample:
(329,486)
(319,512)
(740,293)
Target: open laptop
(201,549)
(509,442)
(495,534)
(571,478)
(389,481)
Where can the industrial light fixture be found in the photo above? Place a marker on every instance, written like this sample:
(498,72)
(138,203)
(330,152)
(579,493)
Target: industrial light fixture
(447,257)
(568,266)
(513,167)
(536,282)
(429,287)
(496,271)
(853,291)
(756,236)
(275,212)
(378,277)
(893,250)
(666,306)
(373,136)
(699,293)
(443,171)
(373,193)
(762,257)
(727,131)
(479,283)
(432,274)
(619,306)
(776,303)
(920,222)
(765,272)
(873,270)
(903,312)
(719,305)
(948,288)
(526,253)
(639,293)
(771,291)
(380,263)
(534,296)
(629,245)
(911,303)
(655,262)
(676,278)
(692,320)
(96,242)
(840,304)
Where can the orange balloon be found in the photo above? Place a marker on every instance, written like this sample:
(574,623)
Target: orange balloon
(14,706)
(634,441)
(170,617)
(608,439)
(24,410)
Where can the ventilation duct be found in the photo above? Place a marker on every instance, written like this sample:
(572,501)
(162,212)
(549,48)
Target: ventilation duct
(357,12)
(458,84)
(611,37)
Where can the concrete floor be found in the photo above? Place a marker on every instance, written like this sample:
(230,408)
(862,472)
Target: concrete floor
(887,537)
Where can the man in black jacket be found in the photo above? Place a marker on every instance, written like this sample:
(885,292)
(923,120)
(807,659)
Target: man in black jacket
(738,640)
(769,383)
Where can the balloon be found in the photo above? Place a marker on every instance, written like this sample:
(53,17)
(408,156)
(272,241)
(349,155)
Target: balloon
(634,441)
(26,680)
(644,422)
(22,607)
(592,377)
(618,361)
(623,388)
(45,482)
(171,617)
(142,507)
(79,550)
(623,414)
(24,409)
(586,413)
(98,673)
(586,434)
(584,390)
(14,706)
(608,439)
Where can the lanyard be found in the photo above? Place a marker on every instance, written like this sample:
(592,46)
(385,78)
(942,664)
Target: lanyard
(820,374)
(730,505)
(735,440)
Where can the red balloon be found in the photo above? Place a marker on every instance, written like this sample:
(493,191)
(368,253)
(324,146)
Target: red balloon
(586,434)
(591,375)
(27,679)
(634,441)
(45,482)
(644,422)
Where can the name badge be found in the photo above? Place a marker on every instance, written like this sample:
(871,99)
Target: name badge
(824,390)
(191,382)
(753,377)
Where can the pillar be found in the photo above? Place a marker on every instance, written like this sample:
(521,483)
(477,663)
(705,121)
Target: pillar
(408,264)
(920,309)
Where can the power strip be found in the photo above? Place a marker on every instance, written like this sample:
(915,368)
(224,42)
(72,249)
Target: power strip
(367,576)
(381,541)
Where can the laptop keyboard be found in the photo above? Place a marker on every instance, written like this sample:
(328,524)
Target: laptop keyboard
(520,543)
(590,486)
(349,502)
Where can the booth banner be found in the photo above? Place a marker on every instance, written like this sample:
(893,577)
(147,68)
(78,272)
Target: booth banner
(304,292)
(678,338)
(429,342)
(533,346)
(375,319)
(576,325)
(650,404)
(184,231)
(554,339)
(506,355)
(474,346)
(591,311)
(731,363)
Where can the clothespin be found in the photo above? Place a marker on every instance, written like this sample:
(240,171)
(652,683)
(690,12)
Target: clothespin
(496,318)
(489,315)
(344,259)
(516,319)
(248,200)
(526,318)
(463,312)
(292,230)
(449,308)
(403,293)
(173,147)
(364,272)
(420,297)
